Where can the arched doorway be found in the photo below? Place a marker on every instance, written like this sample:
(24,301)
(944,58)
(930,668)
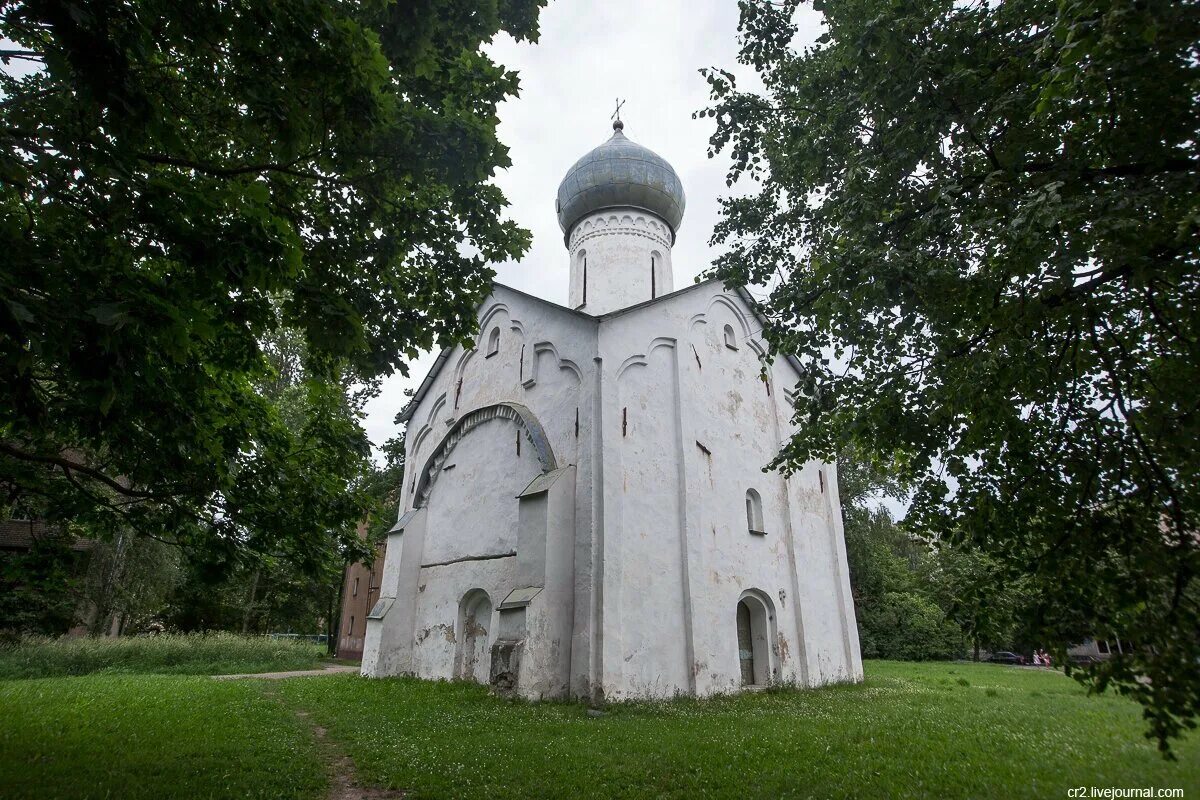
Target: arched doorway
(755,633)
(475,620)
(745,640)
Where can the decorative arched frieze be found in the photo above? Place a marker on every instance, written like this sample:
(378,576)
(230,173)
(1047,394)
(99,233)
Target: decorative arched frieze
(464,360)
(606,223)
(521,416)
(739,316)
(435,409)
(563,364)
(641,359)
(419,441)
(487,321)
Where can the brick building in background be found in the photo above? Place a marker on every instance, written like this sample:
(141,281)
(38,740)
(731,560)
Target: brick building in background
(39,564)
(360,590)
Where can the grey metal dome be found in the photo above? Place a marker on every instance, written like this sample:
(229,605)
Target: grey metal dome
(620,173)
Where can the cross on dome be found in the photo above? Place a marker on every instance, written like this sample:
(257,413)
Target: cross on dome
(616,116)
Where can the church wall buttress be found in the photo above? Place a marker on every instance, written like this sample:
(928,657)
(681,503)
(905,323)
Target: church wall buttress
(652,623)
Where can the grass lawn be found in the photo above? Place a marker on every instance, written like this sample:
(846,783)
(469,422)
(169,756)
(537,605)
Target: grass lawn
(153,737)
(913,730)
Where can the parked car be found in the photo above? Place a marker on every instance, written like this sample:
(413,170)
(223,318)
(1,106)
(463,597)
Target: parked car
(1005,657)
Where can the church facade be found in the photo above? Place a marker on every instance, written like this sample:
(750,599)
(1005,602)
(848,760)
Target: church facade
(586,511)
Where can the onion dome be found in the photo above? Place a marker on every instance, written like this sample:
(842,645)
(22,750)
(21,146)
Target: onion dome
(620,173)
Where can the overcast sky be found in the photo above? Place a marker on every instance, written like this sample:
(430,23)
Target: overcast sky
(590,53)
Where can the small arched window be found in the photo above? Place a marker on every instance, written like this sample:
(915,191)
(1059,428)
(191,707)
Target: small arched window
(581,274)
(730,338)
(493,343)
(653,276)
(754,513)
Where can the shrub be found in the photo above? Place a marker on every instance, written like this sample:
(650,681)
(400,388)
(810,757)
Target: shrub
(909,627)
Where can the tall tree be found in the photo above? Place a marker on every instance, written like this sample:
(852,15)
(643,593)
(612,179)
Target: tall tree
(978,222)
(894,600)
(178,181)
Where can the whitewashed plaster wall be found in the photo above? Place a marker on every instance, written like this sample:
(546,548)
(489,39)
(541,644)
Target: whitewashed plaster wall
(671,590)
(439,592)
(662,553)
(623,248)
(545,354)
(471,506)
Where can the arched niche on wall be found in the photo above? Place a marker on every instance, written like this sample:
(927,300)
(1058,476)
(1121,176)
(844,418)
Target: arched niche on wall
(519,415)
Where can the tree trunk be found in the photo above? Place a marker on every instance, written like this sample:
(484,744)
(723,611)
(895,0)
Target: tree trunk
(330,645)
(108,590)
(249,604)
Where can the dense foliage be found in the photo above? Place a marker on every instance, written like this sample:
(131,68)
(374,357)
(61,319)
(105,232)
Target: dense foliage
(38,586)
(978,225)
(896,601)
(178,182)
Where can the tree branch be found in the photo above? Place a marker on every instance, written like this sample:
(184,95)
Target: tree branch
(219,171)
(74,466)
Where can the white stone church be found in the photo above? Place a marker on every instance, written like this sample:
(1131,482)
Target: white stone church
(586,512)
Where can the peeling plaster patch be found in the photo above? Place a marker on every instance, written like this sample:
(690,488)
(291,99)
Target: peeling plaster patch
(782,646)
(447,632)
(735,405)
(782,599)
